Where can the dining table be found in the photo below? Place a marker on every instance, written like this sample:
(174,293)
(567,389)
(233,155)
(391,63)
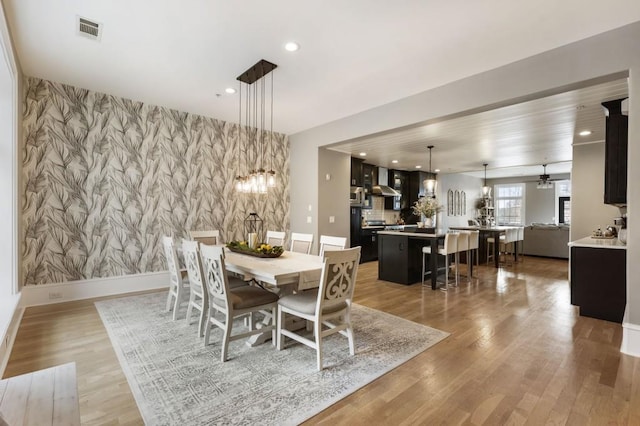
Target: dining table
(278,274)
(487,232)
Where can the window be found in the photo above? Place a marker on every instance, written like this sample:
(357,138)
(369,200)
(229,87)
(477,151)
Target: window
(509,204)
(564,210)
(563,201)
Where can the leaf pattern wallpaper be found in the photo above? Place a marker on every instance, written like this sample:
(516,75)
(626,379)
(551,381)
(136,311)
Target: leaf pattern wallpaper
(106,177)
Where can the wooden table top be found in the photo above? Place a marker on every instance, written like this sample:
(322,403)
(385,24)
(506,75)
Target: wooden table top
(277,271)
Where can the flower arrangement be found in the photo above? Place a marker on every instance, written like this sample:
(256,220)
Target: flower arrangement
(426,206)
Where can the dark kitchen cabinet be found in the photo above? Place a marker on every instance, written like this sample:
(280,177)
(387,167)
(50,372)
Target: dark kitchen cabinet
(369,244)
(398,180)
(369,179)
(615,160)
(400,258)
(356,171)
(599,282)
(355,226)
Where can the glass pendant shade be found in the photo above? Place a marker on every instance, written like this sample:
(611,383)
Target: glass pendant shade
(271,179)
(430,184)
(486,190)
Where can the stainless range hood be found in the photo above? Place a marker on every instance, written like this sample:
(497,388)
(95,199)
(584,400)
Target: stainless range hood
(382,189)
(385,191)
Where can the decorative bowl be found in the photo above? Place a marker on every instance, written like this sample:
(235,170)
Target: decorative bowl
(261,250)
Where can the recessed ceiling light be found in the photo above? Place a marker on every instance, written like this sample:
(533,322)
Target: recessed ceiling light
(230,90)
(418,167)
(291,46)
(394,161)
(363,154)
(436,170)
(585,133)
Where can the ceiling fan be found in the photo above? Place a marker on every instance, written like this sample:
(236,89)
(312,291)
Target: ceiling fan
(545,181)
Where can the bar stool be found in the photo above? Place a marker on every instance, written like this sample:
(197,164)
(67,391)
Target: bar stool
(463,246)
(490,242)
(450,247)
(474,245)
(521,242)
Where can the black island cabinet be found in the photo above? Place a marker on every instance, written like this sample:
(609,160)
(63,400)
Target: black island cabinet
(400,256)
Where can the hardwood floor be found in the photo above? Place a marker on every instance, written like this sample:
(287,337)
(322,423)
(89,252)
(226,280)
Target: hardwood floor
(518,354)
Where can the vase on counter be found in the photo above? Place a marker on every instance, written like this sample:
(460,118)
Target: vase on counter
(427,222)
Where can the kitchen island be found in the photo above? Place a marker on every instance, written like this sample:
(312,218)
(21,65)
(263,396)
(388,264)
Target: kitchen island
(598,277)
(400,255)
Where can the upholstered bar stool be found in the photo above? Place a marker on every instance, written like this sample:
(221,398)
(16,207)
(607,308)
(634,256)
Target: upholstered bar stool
(463,247)
(450,248)
(490,242)
(521,243)
(474,245)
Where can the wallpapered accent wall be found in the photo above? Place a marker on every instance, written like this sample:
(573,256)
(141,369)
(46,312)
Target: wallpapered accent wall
(106,177)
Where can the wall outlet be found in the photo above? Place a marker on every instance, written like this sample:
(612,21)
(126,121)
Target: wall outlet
(332,219)
(308,219)
(55,295)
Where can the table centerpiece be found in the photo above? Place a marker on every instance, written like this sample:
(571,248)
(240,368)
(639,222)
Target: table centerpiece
(261,249)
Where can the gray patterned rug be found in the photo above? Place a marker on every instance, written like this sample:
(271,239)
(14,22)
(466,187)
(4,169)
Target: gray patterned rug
(178,381)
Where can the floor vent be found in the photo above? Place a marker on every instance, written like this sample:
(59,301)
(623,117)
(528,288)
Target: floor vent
(89,29)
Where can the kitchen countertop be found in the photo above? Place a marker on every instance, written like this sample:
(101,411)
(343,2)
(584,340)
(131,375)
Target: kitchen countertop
(612,243)
(411,234)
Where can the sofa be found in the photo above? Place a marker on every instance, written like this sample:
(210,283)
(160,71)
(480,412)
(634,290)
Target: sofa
(546,240)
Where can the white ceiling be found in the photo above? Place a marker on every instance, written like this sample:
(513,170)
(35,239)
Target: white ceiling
(514,140)
(354,54)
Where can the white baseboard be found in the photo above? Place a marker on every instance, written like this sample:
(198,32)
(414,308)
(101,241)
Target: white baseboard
(630,339)
(45,294)
(9,327)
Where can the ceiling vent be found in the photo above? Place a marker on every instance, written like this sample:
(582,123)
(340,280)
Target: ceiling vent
(89,29)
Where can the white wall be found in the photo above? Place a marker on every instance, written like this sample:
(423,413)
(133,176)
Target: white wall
(334,192)
(606,56)
(472,186)
(588,211)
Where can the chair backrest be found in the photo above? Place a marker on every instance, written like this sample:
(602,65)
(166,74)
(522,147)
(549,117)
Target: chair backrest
(463,241)
(511,235)
(331,243)
(210,238)
(172,259)
(474,240)
(450,242)
(191,253)
(215,275)
(275,238)
(301,243)
(338,279)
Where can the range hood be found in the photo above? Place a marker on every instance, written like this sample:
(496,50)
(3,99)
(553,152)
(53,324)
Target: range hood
(385,191)
(381,189)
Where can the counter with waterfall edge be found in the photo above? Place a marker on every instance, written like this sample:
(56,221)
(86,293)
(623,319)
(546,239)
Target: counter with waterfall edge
(599,278)
(400,255)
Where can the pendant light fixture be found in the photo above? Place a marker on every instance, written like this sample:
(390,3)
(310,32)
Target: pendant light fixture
(486,190)
(430,182)
(255,178)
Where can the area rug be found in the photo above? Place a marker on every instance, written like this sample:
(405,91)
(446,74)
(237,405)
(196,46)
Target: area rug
(176,380)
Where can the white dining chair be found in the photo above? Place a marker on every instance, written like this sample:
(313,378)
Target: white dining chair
(328,306)
(232,304)
(198,295)
(210,237)
(176,281)
(311,280)
(301,243)
(331,243)
(275,238)
(449,248)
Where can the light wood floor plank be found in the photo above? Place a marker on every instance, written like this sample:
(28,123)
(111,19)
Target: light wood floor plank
(518,354)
